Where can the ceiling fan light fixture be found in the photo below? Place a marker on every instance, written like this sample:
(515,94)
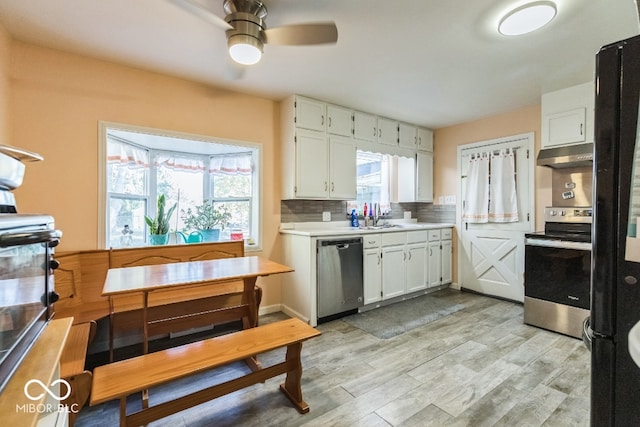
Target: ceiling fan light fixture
(245,49)
(527,18)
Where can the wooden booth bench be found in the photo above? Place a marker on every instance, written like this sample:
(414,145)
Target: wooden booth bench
(121,379)
(81,276)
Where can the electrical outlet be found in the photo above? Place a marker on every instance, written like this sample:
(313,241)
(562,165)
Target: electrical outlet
(407,214)
(450,200)
(326,216)
(441,200)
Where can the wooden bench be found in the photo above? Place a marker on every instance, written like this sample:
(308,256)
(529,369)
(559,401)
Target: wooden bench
(80,278)
(120,379)
(72,362)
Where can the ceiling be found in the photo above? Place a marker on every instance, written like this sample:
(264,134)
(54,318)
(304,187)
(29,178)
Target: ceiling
(433,63)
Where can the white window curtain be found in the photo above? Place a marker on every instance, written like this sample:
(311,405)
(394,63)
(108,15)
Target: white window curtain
(180,163)
(127,154)
(491,188)
(476,205)
(237,164)
(503,203)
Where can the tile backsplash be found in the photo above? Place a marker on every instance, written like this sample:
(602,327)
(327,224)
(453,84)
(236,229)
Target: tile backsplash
(311,211)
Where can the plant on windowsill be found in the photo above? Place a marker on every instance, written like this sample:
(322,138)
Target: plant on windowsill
(206,219)
(159,226)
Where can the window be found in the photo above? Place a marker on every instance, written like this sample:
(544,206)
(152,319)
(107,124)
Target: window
(140,165)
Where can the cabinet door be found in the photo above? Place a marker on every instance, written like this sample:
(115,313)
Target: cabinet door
(309,114)
(365,126)
(372,275)
(447,253)
(387,131)
(312,165)
(568,127)
(339,120)
(407,136)
(424,177)
(435,264)
(415,267)
(393,278)
(343,182)
(425,140)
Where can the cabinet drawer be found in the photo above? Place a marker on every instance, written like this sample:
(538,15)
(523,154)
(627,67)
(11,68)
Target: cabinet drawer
(371,241)
(446,234)
(417,236)
(396,238)
(434,235)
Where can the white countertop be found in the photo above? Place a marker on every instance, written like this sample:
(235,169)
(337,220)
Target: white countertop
(343,228)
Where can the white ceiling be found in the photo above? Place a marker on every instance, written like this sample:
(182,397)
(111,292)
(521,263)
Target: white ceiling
(430,62)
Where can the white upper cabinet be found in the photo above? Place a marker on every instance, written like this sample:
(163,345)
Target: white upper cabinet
(309,114)
(408,135)
(387,131)
(425,139)
(342,169)
(312,165)
(424,177)
(365,126)
(339,120)
(568,116)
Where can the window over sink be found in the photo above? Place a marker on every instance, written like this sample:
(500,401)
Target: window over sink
(382,178)
(140,164)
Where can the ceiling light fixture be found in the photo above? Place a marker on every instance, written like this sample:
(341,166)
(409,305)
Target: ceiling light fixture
(244,49)
(527,18)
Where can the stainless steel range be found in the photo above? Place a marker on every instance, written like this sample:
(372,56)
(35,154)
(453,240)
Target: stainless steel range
(558,271)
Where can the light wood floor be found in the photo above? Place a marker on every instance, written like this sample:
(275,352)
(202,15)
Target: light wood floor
(480,366)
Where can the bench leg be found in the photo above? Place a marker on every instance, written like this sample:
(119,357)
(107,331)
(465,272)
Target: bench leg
(291,386)
(123,411)
(80,390)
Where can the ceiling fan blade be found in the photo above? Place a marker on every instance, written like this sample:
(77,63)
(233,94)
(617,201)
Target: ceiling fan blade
(303,34)
(192,6)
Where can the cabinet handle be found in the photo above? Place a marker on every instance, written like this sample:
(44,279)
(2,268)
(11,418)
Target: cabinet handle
(409,256)
(430,252)
(322,120)
(329,123)
(332,187)
(379,259)
(374,131)
(379,133)
(581,128)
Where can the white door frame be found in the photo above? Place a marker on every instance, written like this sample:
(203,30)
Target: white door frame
(528,145)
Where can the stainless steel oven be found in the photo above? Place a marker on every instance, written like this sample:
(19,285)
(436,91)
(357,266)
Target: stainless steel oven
(26,280)
(558,271)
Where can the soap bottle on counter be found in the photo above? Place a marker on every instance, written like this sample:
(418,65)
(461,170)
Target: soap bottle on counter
(354,219)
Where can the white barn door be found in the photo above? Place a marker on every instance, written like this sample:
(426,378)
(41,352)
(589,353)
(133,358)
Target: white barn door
(491,255)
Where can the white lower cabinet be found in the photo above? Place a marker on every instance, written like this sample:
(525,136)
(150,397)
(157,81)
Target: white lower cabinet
(440,250)
(393,259)
(416,261)
(372,265)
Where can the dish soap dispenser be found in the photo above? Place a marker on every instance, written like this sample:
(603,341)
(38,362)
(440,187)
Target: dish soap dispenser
(354,219)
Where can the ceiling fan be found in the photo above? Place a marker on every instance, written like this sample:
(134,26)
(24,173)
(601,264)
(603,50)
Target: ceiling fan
(247,32)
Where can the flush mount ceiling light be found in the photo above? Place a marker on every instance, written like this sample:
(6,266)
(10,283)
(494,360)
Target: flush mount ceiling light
(527,18)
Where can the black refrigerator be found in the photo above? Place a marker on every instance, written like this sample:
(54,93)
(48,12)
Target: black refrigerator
(615,275)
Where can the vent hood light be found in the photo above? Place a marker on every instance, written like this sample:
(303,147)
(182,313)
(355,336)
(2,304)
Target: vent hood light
(527,18)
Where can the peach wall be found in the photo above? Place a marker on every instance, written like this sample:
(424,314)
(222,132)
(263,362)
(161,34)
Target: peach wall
(58,99)
(5,50)
(447,140)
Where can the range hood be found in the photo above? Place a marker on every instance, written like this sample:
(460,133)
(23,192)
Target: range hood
(566,157)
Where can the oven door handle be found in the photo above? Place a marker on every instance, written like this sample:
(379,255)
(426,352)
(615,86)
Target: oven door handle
(51,237)
(561,244)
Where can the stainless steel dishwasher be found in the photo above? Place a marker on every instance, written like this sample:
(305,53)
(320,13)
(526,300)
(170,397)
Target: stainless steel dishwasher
(340,284)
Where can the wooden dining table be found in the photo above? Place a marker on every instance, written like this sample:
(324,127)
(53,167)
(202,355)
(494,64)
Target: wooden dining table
(162,277)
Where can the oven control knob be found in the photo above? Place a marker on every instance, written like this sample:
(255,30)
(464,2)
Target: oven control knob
(553,213)
(563,213)
(54,264)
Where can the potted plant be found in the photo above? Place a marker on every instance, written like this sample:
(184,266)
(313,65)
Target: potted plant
(159,226)
(206,219)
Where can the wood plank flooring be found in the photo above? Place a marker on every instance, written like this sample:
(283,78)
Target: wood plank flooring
(480,366)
